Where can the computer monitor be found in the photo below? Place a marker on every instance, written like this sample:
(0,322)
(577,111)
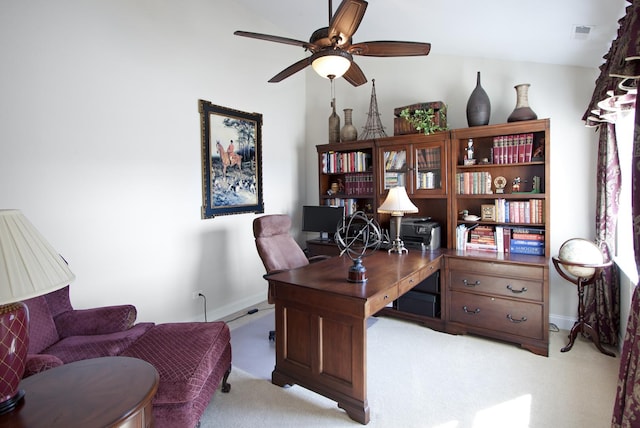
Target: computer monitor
(323,219)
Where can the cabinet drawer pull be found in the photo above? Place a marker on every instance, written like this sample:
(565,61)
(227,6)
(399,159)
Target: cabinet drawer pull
(466,310)
(468,284)
(510,318)
(522,290)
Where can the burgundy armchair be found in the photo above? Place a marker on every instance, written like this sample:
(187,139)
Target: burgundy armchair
(60,334)
(192,358)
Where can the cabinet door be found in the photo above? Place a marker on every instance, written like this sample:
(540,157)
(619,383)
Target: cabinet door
(394,166)
(429,169)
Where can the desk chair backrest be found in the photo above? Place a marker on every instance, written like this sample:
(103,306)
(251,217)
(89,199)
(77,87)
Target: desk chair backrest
(276,247)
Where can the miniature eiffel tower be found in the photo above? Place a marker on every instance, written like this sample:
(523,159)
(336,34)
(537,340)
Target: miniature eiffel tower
(373,128)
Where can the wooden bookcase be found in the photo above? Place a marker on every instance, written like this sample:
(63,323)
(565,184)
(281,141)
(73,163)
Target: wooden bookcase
(350,168)
(499,294)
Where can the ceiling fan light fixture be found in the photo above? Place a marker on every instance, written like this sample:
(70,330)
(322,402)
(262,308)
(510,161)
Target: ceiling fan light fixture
(332,63)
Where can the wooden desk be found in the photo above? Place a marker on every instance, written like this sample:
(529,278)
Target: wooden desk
(100,392)
(321,329)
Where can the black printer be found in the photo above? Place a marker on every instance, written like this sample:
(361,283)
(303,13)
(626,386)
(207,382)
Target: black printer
(420,233)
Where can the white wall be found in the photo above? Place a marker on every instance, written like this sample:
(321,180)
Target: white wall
(556,92)
(100,141)
(100,145)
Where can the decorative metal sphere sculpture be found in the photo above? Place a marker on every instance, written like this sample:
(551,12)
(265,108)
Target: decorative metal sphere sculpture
(358,236)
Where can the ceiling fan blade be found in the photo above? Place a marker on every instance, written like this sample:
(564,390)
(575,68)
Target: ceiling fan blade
(292,69)
(390,48)
(354,75)
(277,39)
(346,20)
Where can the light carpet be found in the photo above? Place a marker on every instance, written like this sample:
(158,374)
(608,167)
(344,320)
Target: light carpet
(418,377)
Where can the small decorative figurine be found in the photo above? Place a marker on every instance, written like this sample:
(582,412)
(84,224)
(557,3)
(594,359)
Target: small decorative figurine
(516,185)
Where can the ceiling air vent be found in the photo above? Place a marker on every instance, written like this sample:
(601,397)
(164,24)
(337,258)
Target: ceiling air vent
(581,32)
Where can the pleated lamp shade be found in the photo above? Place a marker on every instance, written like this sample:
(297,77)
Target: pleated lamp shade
(29,267)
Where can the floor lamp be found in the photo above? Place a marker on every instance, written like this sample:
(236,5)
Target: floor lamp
(29,267)
(397,204)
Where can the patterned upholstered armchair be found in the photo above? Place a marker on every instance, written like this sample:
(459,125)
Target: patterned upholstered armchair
(60,334)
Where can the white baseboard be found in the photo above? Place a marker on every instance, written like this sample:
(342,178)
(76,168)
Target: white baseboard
(233,307)
(562,322)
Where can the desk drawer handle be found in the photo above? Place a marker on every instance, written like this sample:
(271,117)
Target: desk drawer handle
(510,318)
(522,290)
(468,284)
(466,310)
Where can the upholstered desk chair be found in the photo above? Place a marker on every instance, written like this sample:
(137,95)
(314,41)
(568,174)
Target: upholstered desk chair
(277,248)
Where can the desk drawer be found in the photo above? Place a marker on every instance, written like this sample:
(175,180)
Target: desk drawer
(382,299)
(500,269)
(509,287)
(502,315)
(408,283)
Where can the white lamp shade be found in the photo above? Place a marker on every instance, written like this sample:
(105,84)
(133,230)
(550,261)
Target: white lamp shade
(29,266)
(331,64)
(397,203)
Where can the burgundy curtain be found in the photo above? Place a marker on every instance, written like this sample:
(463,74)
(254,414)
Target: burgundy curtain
(619,74)
(602,300)
(626,409)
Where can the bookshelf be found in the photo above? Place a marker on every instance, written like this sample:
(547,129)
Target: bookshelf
(346,176)
(498,277)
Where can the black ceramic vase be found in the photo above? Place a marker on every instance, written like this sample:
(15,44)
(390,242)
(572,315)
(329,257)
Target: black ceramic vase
(522,110)
(478,106)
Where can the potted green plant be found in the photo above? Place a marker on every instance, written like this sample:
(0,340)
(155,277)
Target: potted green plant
(423,120)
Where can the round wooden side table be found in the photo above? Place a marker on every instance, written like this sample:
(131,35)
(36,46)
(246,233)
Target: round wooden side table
(581,326)
(100,392)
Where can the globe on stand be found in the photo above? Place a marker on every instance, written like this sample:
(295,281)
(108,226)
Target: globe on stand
(581,262)
(358,237)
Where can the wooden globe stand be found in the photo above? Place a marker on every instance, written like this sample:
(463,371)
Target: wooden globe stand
(581,326)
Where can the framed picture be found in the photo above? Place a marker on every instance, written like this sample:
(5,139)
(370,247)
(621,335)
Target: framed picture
(488,212)
(231,161)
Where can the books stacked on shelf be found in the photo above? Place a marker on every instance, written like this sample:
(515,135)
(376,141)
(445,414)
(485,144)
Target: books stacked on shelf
(358,184)
(395,160)
(393,179)
(428,158)
(350,204)
(526,240)
(528,212)
(340,162)
(473,183)
(501,239)
(482,238)
(512,148)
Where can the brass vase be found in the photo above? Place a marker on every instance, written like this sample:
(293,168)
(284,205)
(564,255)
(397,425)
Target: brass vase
(348,131)
(522,110)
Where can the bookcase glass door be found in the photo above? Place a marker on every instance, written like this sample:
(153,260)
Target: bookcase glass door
(428,169)
(395,168)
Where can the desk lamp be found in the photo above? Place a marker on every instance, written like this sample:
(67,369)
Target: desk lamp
(29,267)
(396,204)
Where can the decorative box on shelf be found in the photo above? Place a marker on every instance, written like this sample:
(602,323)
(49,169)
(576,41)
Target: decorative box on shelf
(402,126)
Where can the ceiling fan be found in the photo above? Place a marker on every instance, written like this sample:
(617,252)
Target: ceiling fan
(332,49)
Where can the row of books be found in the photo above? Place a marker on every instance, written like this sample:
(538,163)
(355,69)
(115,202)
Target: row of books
(428,158)
(512,148)
(359,184)
(473,183)
(392,179)
(395,160)
(339,162)
(350,204)
(529,211)
(500,239)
